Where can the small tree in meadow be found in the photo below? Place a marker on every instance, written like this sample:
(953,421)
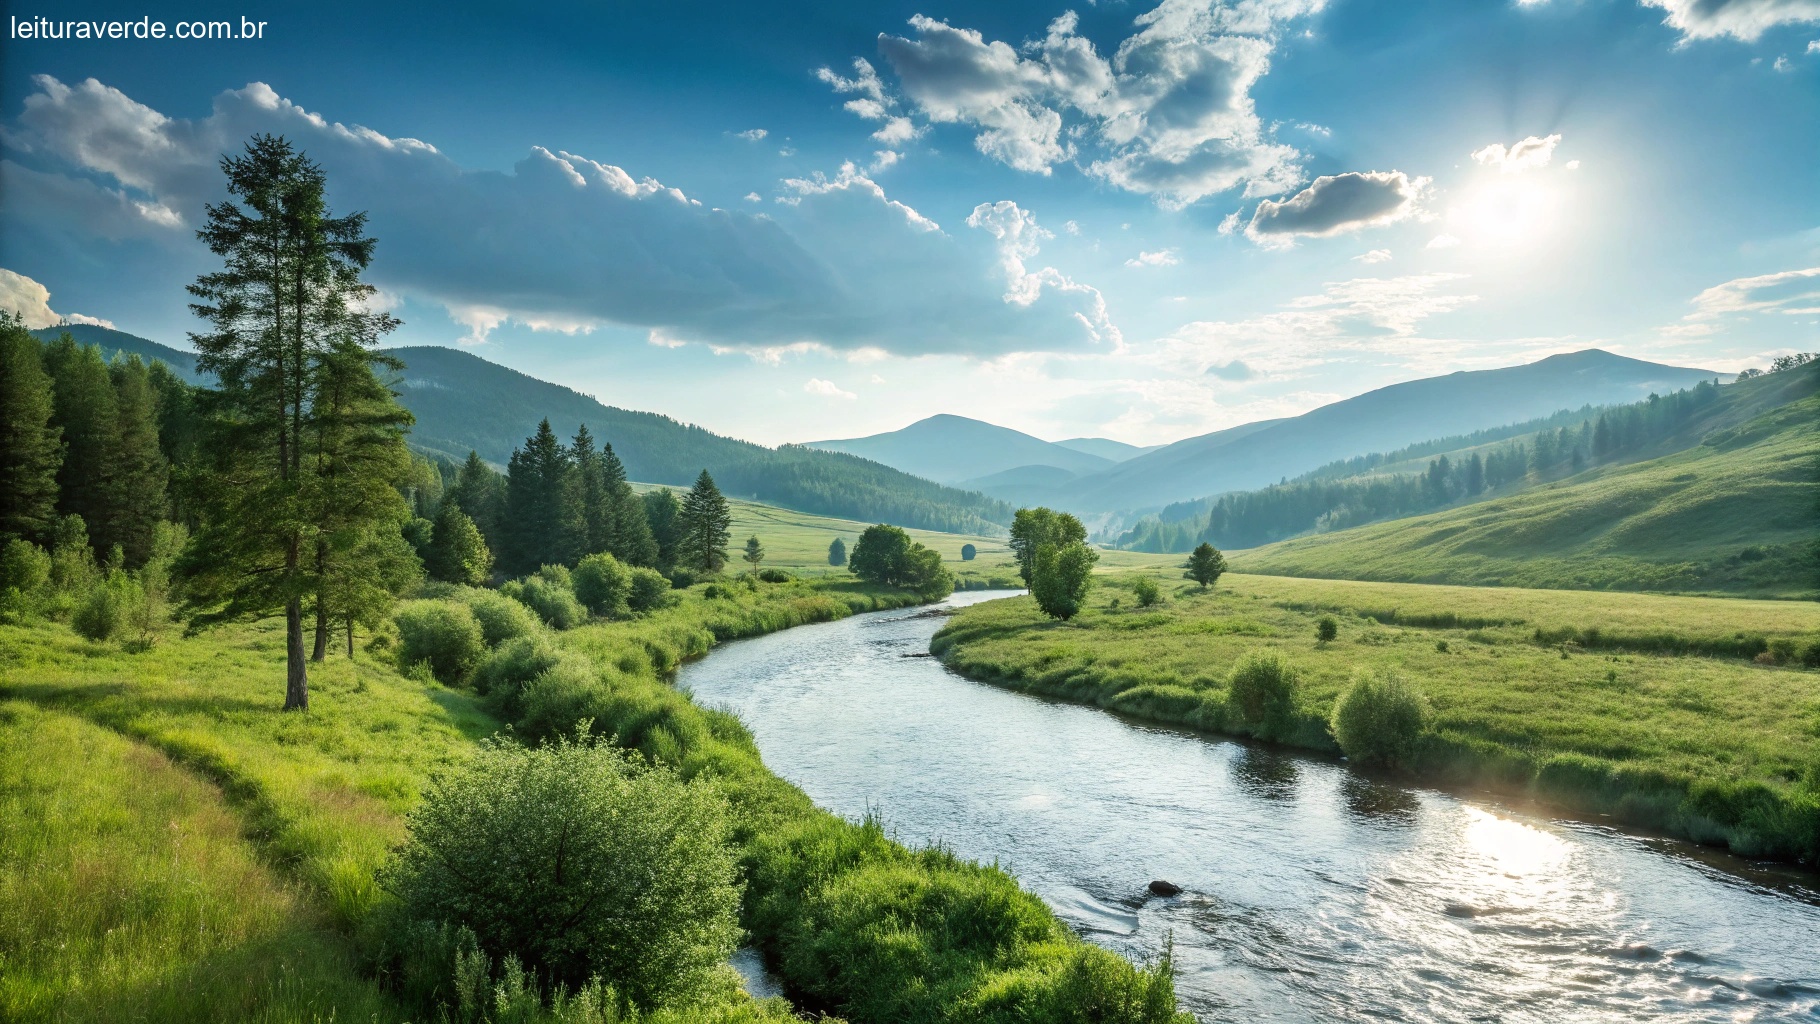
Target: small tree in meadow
(968,552)
(1327,629)
(837,552)
(458,553)
(1062,577)
(1146,591)
(1205,565)
(754,554)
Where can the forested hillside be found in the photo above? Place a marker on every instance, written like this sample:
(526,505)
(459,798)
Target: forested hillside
(464,403)
(1733,507)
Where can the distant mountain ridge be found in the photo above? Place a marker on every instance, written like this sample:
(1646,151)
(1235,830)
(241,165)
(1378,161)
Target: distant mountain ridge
(951,449)
(1381,420)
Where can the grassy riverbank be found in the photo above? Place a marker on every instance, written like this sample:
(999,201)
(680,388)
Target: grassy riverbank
(1688,715)
(174,847)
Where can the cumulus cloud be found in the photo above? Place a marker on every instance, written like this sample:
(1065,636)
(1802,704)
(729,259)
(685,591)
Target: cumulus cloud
(1338,203)
(1442,241)
(31,302)
(1528,154)
(1019,239)
(1159,258)
(560,241)
(1374,256)
(1237,370)
(1740,19)
(752,134)
(1168,113)
(827,389)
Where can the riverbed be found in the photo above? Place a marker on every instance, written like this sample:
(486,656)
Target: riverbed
(1310,892)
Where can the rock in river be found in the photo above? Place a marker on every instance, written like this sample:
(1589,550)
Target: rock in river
(1162,888)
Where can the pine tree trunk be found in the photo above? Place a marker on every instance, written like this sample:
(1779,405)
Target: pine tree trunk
(297,677)
(321,650)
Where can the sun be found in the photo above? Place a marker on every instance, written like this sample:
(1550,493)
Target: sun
(1507,212)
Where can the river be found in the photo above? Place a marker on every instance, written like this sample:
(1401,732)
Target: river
(1310,893)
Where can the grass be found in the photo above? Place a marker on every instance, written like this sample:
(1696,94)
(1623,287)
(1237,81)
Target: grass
(1719,749)
(130,893)
(1738,513)
(219,855)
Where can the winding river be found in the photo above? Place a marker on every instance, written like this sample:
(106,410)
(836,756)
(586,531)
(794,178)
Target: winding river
(1310,893)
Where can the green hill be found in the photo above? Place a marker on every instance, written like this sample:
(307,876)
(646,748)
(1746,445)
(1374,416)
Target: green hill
(463,402)
(1736,510)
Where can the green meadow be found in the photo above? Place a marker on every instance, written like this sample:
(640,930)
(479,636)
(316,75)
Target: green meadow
(1697,716)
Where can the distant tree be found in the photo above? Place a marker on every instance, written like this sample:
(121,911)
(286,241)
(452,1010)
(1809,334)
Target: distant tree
(31,448)
(968,552)
(141,471)
(837,552)
(289,289)
(632,540)
(754,554)
(360,589)
(458,553)
(1326,629)
(887,556)
(663,514)
(1146,591)
(1205,565)
(603,583)
(480,493)
(705,522)
(1062,577)
(87,412)
(599,524)
(544,515)
(1031,528)
(1475,474)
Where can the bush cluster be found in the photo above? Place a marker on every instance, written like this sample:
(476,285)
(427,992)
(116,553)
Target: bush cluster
(1379,719)
(603,584)
(1261,694)
(550,592)
(444,635)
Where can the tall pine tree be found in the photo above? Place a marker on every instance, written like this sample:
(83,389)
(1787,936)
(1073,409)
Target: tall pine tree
(88,414)
(141,472)
(705,522)
(663,516)
(632,542)
(31,445)
(543,508)
(278,306)
(480,493)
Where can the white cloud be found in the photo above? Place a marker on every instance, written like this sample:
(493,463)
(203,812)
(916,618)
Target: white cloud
(1442,242)
(1071,227)
(1159,258)
(1374,256)
(559,242)
(31,301)
(897,131)
(752,134)
(1169,114)
(1740,19)
(1790,292)
(1528,154)
(1338,203)
(754,197)
(1019,238)
(827,389)
(1782,64)
(1572,165)
(883,160)
(1813,46)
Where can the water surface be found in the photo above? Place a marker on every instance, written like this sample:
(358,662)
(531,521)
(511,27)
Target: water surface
(1311,893)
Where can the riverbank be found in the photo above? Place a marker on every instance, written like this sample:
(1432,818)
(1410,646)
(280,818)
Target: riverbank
(1585,702)
(853,922)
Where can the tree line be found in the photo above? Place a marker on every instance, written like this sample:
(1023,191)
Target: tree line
(1316,502)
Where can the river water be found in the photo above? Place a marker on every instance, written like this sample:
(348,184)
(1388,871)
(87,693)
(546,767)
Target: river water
(1310,893)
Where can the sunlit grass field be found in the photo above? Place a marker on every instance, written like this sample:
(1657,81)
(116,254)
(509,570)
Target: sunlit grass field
(1527,686)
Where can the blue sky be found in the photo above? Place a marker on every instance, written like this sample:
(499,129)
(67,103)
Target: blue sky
(790,222)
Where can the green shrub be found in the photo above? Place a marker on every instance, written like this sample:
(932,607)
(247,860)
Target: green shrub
(1810,655)
(558,699)
(602,583)
(104,610)
(682,577)
(775,576)
(501,618)
(1146,591)
(1327,629)
(1379,719)
(649,591)
(969,552)
(1782,650)
(25,571)
(579,861)
(443,634)
(551,595)
(1061,577)
(507,671)
(1261,692)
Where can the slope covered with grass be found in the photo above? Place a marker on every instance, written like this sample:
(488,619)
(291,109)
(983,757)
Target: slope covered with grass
(1738,512)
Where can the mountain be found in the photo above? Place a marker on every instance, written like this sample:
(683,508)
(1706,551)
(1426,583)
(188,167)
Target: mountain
(1107,448)
(954,448)
(1381,420)
(1735,509)
(463,402)
(113,342)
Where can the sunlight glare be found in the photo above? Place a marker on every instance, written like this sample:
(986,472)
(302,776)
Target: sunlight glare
(1506,212)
